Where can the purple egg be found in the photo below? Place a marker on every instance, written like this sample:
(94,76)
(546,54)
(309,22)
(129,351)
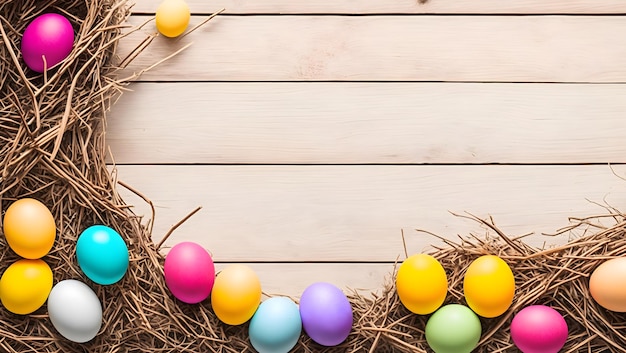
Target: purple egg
(326,314)
(539,329)
(51,36)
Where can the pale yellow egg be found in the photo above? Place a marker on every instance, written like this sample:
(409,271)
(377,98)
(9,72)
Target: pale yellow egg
(236,294)
(172,17)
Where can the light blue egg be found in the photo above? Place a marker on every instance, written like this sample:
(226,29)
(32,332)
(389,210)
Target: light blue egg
(102,254)
(275,326)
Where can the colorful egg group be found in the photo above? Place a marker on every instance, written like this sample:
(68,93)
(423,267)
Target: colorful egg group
(25,286)
(539,329)
(421,284)
(236,294)
(276,326)
(326,314)
(75,311)
(29,228)
(102,254)
(453,328)
(489,286)
(47,41)
(607,284)
(189,272)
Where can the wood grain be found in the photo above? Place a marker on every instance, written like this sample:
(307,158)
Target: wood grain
(291,279)
(348,219)
(397,6)
(356,213)
(391,48)
(352,123)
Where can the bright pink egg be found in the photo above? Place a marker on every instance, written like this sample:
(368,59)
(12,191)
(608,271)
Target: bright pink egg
(539,329)
(51,36)
(189,272)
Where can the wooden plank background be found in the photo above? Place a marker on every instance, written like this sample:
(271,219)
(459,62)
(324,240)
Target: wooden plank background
(394,48)
(400,6)
(312,138)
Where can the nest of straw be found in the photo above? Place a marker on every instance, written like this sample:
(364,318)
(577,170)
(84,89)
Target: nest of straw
(52,148)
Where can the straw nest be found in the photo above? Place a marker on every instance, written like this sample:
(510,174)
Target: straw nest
(52,130)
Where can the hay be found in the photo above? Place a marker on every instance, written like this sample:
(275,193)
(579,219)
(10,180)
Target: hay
(52,134)
(557,277)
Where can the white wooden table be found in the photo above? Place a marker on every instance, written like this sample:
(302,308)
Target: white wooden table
(314,132)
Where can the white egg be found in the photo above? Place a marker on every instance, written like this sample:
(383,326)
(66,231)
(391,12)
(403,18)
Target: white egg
(75,310)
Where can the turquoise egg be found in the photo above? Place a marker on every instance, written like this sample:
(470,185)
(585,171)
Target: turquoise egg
(275,326)
(102,254)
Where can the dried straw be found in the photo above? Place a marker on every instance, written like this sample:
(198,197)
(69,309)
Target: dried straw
(52,134)
(557,277)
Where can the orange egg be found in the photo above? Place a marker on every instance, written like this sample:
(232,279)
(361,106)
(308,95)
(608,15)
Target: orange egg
(489,286)
(607,284)
(236,294)
(29,228)
(422,284)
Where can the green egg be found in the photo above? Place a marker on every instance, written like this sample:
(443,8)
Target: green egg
(453,328)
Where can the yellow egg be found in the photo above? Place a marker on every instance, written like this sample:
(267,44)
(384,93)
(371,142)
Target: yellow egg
(172,17)
(607,284)
(422,284)
(25,286)
(489,286)
(29,228)
(236,294)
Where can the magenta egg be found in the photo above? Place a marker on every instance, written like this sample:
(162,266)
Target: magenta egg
(189,272)
(326,314)
(539,329)
(48,36)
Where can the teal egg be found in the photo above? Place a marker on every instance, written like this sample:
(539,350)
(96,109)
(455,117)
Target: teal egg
(275,326)
(453,328)
(102,254)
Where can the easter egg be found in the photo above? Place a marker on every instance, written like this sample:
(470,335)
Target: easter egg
(276,326)
(236,294)
(29,228)
(50,37)
(326,314)
(421,284)
(489,286)
(189,272)
(453,328)
(75,310)
(539,329)
(102,254)
(607,284)
(172,17)
(25,286)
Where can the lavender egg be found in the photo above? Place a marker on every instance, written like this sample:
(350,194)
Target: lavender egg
(326,314)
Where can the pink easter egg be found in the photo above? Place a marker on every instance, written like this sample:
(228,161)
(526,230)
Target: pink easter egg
(189,272)
(51,36)
(539,329)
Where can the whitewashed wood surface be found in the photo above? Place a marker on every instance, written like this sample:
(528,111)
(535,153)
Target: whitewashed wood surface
(360,123)
(312,138)
(393,48)
(400,6)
